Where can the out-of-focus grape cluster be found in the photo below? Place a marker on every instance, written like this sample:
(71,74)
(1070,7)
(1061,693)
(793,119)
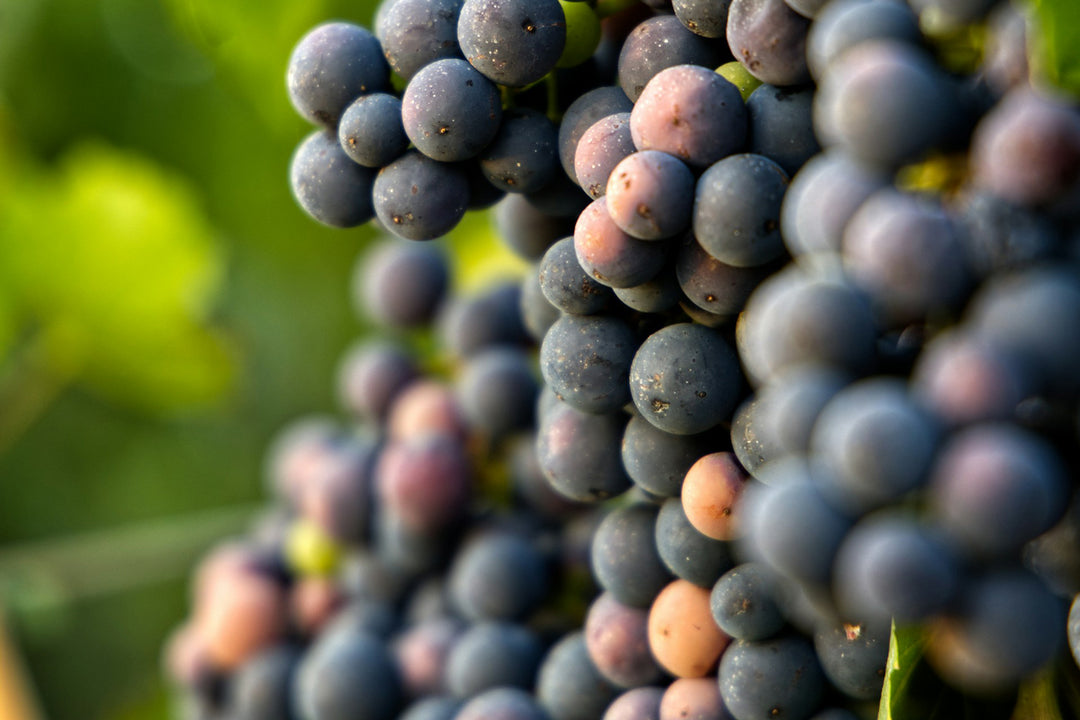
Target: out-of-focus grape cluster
(792,375)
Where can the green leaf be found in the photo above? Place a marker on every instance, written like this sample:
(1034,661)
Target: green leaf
(1056,43)
(113,262)
(906,647)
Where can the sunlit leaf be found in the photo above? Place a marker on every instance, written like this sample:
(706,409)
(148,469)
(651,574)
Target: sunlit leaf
(1056,43)
(906,647)
(116,260)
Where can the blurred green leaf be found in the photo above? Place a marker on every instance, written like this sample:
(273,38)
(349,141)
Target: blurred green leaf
(906,647)
(1056,43)
(112,264)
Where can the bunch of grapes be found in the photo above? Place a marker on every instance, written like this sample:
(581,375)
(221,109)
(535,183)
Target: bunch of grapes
(791,376)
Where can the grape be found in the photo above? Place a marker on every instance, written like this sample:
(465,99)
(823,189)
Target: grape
(781,127)
(737,210)
(693,699)
(624,556)
(400,284)
(537,314)
(1001,237)
(330,66)
(690,112)
(657,295)
(710,495)
(328,185)
(586,361)
(348,676)
(262,687)
(642,703)
(426,407)
(582,33)
(601,147)
(425,480)
(907,255)
(853,657)
(497,391)
(846,23)
(497,576)
(609,254)
(650,195)
(418,198)
(1005,62)
(714,286)
(994,487)
(432,708)
(657,461)
(683,637)
(422,651)
(585,111)
(875,441)
(685,551)
(569,686)
(493,654)
(415,33)
(891,567)
(522,157)
(503,703)
(527,231)
(685,379)
(579,453)
(561,198)
(752,437)
(566,285)
(821,199)
(488,319)
(792,401)
(617,639)
(769,39)
(512,42)
(245,614)
(743,603)
(707,19)
(661,42)
(771,678)
(450,111)
(883,102)
(370,131)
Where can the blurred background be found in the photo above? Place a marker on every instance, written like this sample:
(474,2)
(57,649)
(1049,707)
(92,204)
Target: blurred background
(165,307)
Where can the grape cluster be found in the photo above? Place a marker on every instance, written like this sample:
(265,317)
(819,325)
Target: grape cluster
(793,370)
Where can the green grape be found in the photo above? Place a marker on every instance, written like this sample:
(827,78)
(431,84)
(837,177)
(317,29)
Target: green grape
(740,77)
(310,551)
(582,33)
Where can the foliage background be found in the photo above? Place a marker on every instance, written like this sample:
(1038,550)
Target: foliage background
(164,309)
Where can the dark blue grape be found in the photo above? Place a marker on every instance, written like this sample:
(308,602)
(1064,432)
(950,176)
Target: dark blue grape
(771,678)
(685,379)
(512,42)
(889,566)
(853,657)
(497,391)
(769,39)
(527,231)
(418,198)
(415,33)
(743,602)
(875,441)
(781,126)
(332,65)
(658,295)
(662,42)
(752,436)
(565,283)
(369,616)
(737,210)
(261,689)
(523,156)
(792,402)
(579,453)
(586,361)
(690,112)
(707,19)
(537,313)
(686,552)
(493,654)
(400,284)
(657,461)
(625,560)
(498,576)
(847,23)
(994,487)
(502,704)
(1001,237)
(370,376)
(471,324)
(348,676)
(716,287)
(450,111)
(569,686)
(883,102)
(328,185)
(433,707)
(371,132)
(559,198)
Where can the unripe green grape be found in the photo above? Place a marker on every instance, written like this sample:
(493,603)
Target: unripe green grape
(740,77)
(310,551)
(582,33)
